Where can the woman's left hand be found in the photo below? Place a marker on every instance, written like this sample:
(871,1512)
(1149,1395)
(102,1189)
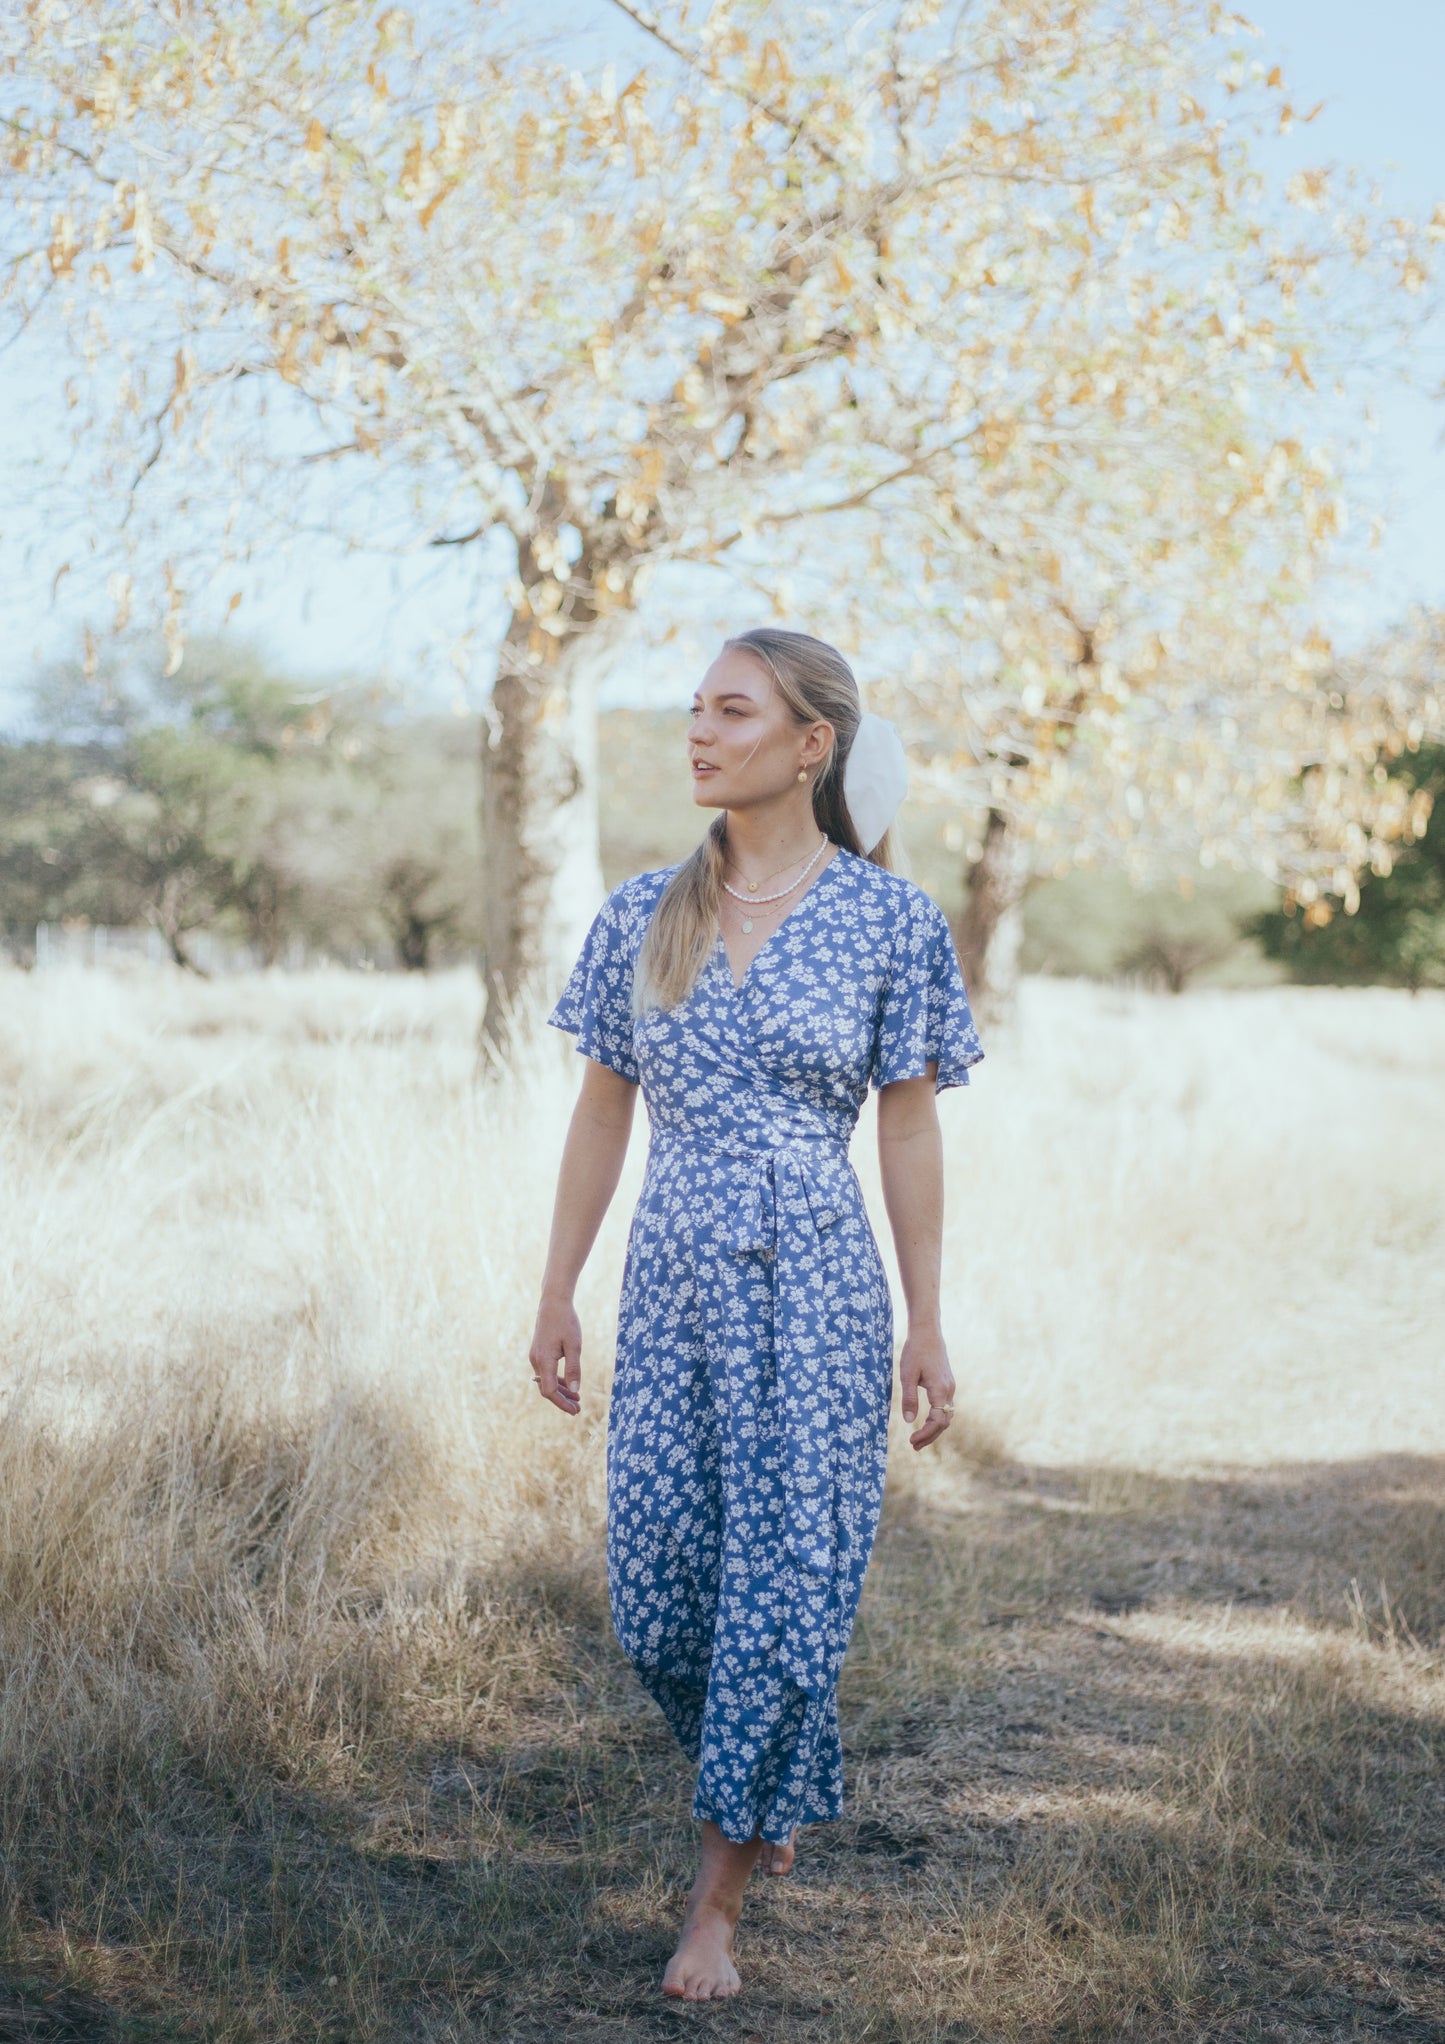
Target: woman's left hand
(925,1361)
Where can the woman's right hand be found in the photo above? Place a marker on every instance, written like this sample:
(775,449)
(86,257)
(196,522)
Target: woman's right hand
(592,1158)
(556,1354)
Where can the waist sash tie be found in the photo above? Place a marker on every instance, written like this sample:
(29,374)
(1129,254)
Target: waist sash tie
(794,1190)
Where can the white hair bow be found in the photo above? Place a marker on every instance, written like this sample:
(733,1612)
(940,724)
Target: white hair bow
(875,777)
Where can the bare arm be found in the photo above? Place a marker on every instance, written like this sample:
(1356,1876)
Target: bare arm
(910,1162)
(592,1160)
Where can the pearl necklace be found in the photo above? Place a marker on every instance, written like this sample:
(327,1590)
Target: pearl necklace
(753,898)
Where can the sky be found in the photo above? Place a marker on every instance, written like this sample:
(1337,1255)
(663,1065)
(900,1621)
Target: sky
(1378,71)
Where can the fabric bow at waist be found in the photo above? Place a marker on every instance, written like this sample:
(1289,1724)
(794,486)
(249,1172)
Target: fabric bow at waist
(790,1193)
(804,1177)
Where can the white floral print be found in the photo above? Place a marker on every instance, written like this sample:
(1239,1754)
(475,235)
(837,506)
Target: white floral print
(748,1425)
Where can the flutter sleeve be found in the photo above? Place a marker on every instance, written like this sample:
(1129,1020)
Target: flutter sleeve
(595,1004)
(923,1010)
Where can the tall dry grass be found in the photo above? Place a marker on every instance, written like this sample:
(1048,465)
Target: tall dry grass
(310,1716)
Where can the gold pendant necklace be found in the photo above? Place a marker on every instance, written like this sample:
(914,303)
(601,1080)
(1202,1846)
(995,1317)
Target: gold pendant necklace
(747,920)
(754,885)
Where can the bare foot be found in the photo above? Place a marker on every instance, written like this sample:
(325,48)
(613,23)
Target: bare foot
(702,1969)
(778,1859)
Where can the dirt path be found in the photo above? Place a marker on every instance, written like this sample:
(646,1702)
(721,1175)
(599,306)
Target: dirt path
(1128,1757)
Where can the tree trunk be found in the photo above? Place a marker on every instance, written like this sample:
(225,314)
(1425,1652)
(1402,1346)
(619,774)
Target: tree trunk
(990,930)
(543,871)
(413,944)
(166,913)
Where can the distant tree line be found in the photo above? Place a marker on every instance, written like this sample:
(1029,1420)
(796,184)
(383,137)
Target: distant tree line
(233,799)
(1172,927)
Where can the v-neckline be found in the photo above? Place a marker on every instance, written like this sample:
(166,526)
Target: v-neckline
(738,985)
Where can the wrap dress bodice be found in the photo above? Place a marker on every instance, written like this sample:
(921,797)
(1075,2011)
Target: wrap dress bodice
(748,1423)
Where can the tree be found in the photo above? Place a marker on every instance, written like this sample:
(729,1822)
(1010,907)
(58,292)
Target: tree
(1389,926)
(182,801)
(403,864)
(1100,926)
(230,797)
(416,910)
(981,319)
(51,840)
(1396,936)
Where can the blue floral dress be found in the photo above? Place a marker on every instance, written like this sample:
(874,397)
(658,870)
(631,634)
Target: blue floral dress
(748,1425)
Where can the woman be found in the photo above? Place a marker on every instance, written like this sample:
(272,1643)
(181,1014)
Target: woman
(755,990)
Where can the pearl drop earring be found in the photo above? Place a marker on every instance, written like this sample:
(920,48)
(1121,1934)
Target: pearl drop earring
(802,773)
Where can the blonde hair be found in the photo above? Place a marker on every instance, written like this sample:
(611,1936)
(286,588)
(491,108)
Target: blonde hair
(816,683)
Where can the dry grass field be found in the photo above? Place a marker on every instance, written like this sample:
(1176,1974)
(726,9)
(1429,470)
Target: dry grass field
(312,1725)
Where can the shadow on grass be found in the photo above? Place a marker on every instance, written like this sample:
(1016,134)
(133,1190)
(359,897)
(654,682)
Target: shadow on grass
(1129,1756)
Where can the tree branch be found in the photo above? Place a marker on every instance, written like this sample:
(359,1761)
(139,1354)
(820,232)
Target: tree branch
(796,129)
